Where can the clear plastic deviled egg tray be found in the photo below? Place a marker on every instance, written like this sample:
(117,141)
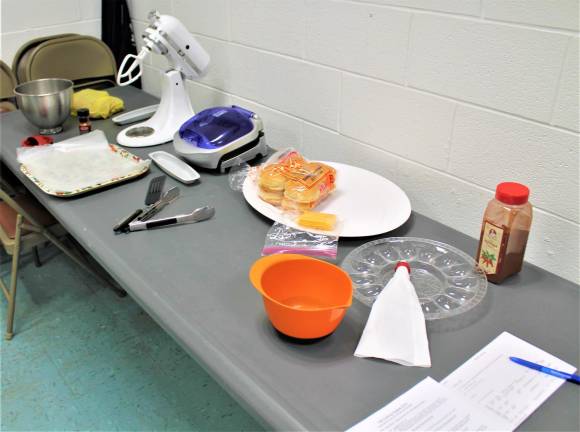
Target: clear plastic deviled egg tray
(448,281)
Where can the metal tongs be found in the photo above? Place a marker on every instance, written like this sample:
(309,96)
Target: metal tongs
(149,211)
(197,215)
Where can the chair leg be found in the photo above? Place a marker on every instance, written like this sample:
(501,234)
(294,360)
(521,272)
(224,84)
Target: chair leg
(37,262)
(13,279)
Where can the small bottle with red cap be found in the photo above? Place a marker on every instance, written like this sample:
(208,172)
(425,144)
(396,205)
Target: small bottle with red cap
(504,232)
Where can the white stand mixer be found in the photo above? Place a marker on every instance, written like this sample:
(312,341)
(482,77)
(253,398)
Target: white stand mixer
(165,35)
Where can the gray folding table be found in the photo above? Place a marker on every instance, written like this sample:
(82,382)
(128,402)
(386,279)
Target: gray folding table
(192,279)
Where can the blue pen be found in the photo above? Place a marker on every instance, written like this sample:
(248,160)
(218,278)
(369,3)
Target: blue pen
(567,376)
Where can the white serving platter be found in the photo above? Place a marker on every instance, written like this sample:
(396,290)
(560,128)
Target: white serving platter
(365,203)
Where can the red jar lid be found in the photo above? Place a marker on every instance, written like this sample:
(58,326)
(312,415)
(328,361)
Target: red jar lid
(512,193)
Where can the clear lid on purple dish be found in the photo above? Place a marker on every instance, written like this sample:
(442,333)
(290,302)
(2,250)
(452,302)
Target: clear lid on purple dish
(216,127)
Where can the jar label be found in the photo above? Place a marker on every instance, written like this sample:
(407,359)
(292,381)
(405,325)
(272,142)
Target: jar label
(491,242)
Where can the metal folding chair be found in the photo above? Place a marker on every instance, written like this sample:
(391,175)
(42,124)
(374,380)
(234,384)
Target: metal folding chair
(85,60)
(7,84)
(25,224)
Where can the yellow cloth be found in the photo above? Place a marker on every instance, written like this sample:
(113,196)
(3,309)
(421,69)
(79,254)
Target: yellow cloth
(99,103)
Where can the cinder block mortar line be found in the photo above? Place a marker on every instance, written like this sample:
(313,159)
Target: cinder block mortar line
(419,90)
(555,100)
(53,26)
(473,18)
(409,45)
(449,149)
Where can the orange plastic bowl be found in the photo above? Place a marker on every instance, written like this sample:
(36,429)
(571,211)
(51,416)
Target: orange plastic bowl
(304,297)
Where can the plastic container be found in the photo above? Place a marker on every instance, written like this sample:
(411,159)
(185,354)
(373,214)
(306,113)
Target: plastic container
(448,281)
(504,232)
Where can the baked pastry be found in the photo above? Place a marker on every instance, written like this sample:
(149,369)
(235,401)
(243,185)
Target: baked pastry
(294,183)
(299,197)
(274,198)
(272,179)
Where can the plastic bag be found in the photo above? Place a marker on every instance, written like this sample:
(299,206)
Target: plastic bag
(238,173)
(288,181)
(284,239)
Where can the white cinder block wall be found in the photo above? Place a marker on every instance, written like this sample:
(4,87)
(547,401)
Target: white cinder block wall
(23,20)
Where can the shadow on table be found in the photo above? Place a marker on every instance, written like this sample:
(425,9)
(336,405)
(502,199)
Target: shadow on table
(339,344)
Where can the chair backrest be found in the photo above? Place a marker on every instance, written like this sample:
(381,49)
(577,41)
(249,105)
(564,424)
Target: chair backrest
(7,84)
(18,208)
(85,60)
(7,81)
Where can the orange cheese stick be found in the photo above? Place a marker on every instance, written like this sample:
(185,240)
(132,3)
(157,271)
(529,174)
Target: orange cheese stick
(317,220)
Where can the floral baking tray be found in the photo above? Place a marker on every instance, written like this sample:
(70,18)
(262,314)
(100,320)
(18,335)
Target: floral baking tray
(79,166)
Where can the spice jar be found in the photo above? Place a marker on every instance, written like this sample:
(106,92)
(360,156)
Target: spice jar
(504,232)
(84,122)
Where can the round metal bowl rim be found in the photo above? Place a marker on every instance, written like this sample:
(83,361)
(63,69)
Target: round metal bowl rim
(43,94)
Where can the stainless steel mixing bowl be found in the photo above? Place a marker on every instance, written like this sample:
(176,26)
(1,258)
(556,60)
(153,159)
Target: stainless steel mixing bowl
(45,103)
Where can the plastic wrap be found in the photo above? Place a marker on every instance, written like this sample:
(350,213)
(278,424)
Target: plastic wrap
(289,181)
(238,173)
(79,164)
(284,239)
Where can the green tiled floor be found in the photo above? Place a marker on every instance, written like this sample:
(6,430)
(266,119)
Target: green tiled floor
(83,359)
